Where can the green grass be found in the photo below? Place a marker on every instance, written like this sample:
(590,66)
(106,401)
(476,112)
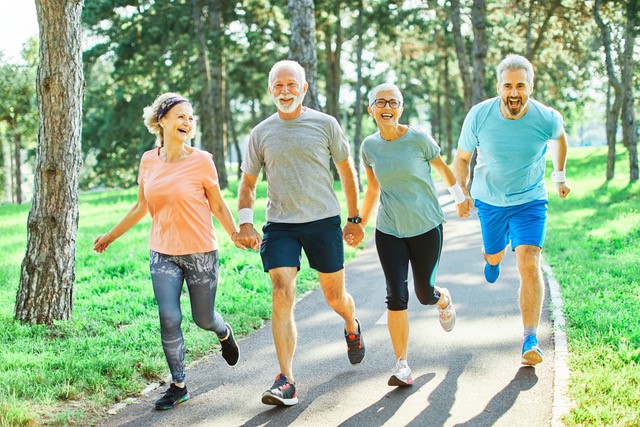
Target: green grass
(593,246)
(71,372)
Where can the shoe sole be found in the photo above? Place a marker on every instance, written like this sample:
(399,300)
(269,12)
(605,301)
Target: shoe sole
(179,401)
(531,358)
(270,399)
(397,382)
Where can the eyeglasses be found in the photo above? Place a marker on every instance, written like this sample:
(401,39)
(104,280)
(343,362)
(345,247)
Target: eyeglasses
(381,103)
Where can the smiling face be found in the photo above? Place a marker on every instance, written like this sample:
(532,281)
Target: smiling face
(514,91)
(178,123)
(386,116)
(287,92)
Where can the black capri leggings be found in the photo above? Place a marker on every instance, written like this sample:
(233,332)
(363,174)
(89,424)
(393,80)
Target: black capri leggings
(423,252)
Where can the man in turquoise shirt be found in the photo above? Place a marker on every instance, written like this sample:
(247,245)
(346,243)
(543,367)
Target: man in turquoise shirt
(511,132)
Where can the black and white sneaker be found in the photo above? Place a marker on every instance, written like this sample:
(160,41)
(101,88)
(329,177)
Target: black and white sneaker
(230,350)
(282,393)
(172,397)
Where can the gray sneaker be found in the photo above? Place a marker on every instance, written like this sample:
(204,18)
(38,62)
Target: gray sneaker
(401,375)
(447,314)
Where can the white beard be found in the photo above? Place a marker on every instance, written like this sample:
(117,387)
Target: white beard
(297,100)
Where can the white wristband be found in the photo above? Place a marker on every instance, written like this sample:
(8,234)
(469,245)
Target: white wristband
(245,215)
(558,176)
(456,192)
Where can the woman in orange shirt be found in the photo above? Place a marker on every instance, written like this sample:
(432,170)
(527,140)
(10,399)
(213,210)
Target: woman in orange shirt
(178,186)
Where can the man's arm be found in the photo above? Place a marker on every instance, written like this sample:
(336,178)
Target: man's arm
(248,236)
(347,173)
(461,170)
(559,150)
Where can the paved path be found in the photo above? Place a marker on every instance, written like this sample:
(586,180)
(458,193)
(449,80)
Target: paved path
(470,376)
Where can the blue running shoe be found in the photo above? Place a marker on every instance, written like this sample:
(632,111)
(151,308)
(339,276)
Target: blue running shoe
(491,272)
(531,353)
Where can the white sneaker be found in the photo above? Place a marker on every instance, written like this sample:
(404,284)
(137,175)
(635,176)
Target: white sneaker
(401,374)
(447,314)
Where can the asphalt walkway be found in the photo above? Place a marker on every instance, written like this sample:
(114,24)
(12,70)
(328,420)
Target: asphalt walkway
(471,376)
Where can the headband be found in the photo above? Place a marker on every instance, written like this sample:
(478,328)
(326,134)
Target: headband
(167,105)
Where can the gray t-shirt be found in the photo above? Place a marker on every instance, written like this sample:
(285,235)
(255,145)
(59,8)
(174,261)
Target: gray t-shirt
(296,155)
(408,198)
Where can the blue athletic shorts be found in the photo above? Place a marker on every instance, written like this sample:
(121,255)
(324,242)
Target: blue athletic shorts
(524,224)
(282,245)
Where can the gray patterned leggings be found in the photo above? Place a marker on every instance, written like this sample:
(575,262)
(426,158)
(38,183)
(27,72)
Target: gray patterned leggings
(201,274)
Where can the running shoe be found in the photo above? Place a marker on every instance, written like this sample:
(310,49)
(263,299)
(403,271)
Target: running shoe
(355,345)
(491,272)
(230,350)
(531,353)
(282,393)
(447,315)
(401,375)
(172,397)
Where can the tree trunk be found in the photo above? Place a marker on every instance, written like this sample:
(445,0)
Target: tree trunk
(612,128)
(532,48)
(357,143)
(461,54)
(479,51)
(302,45)
(614,111)
(205,112)
(234,138)
(17,147)
(628,117)
(448,114)
(48,269)
(218,72)
(334,71)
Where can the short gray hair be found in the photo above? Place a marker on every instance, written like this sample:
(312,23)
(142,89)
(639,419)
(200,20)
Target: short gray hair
(373,94)
(515,62)
(294,66)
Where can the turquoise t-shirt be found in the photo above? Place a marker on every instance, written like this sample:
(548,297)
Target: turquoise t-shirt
(408,198)
(511,153)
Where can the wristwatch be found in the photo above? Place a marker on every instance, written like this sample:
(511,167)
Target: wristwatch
(355,219)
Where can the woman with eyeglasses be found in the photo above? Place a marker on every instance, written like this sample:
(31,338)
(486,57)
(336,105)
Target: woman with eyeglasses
(398,160)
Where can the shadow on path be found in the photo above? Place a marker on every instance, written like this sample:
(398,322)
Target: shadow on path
(381,411)
(525,379)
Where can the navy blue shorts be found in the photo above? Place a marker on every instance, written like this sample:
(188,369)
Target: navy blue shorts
(282,245)
(524,224)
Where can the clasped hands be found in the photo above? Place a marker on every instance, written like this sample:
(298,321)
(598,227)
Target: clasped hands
(249,238)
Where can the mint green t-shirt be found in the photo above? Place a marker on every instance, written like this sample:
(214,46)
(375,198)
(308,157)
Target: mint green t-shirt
(408,198)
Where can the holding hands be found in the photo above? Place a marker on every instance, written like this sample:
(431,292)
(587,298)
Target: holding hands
(353,234)
(248,237)
(465,207)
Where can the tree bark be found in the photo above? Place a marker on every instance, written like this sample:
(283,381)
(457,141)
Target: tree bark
(334,71)
(461,54)
(448,114)
(478,13)
(218,74)
(628,117)
(48,269)
(17,146)
(358,88)
(302,45)
(205,113)
(613,112)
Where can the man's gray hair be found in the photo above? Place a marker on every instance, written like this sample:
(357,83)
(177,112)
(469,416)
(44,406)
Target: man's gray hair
(373,94)
(297,69)
(515,62)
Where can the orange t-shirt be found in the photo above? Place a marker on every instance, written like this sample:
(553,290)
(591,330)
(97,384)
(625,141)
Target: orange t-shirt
(177,202)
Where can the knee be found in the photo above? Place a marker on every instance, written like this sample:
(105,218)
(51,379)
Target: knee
(427,298)
(283,295)
(397,302)
(170,321)
(528,257)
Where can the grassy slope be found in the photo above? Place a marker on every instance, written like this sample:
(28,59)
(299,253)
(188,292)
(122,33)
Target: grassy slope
(593,245)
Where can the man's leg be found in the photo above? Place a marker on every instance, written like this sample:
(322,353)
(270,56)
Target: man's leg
(283,325)
(339,299)
(531,284)
(531,297)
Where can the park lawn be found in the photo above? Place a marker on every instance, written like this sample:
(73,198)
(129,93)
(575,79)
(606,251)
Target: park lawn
(593,246)
(110,350)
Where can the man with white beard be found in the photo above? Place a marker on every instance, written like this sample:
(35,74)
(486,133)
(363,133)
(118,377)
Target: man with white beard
(511,133)
(295,147)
